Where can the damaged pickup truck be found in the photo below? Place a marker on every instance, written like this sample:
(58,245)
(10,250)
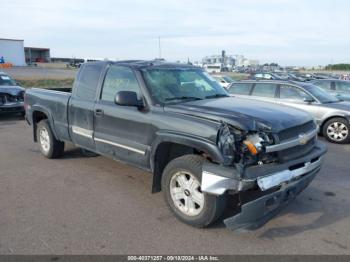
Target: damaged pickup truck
(11,95)
(207,151)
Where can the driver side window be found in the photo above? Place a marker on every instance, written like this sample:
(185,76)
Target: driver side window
(293,93)
(119,78)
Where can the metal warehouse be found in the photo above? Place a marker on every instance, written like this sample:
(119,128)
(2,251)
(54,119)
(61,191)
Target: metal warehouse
(37,54)
(12,50)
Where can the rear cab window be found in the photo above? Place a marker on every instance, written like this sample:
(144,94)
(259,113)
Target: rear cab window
(87,81)
(265,90)
(240,89)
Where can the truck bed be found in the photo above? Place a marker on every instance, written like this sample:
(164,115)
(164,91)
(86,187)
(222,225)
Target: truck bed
(55,104)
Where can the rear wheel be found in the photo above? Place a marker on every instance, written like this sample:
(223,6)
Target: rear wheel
(337,130)
(181,183)
(50,147)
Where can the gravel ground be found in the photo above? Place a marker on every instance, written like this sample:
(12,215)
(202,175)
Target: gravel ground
(80,205)
(34,73)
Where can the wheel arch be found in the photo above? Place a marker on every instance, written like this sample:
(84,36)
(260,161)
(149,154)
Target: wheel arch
(168,146)
(38,114)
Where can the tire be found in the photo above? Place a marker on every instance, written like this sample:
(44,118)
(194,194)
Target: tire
(50,147)
(337,130)
(179,195)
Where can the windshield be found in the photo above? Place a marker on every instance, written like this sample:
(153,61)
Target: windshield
(321,95)
(5,80)
(181,85)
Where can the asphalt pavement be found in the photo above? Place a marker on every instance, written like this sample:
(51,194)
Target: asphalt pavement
(93,205)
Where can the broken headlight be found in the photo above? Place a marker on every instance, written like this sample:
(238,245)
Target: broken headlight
(226,144)
(256,141)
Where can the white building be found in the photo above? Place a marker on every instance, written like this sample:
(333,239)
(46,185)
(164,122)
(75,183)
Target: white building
(250,62)
(242,61)
(227,61)
(13,51)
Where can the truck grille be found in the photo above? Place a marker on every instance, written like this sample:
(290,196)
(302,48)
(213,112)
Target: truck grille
(7,98)
(2,99)
(299,150)
(295,131)
(296,152)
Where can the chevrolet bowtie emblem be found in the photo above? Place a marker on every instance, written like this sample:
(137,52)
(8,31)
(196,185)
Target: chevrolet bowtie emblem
(302,139)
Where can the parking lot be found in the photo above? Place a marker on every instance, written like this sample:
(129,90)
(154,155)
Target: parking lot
(81,205)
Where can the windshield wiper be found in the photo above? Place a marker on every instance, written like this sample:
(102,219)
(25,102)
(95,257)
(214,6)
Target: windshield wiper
(216,96)
(182,98)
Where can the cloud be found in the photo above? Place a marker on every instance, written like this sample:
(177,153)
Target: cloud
(287,31)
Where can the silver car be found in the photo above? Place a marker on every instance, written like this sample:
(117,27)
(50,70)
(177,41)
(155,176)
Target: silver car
(331,114)
(337,87)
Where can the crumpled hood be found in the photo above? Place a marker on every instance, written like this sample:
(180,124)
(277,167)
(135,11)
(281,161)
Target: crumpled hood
(245,114)
(12,90)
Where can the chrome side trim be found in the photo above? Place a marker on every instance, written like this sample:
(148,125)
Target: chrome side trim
(82,132)
(302,139)
(278,178)
(216,185)
(142,152)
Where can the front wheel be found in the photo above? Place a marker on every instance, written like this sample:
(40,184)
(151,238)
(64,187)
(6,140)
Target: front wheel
(337,130)
(181,184)
(50,147)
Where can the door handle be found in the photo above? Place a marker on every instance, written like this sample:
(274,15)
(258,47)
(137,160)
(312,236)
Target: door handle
(99,112)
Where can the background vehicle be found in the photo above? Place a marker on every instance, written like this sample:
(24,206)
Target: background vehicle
(267,76)
(224,80)
(339,88)
(11,95)
(213,68)
(331,114)
(206,150)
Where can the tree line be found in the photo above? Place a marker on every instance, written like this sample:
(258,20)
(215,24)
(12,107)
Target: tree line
(338,67)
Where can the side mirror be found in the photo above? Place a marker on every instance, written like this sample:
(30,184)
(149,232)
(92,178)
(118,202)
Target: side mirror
(128,98)
(308,100)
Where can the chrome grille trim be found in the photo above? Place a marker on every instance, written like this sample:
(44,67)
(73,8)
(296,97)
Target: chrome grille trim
(291,142)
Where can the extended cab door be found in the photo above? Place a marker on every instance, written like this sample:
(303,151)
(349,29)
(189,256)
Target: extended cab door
(122,132)
(81,105)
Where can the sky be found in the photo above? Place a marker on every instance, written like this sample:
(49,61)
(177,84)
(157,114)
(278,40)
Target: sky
(289,32)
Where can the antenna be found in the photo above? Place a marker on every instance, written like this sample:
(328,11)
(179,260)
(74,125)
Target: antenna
(159,48)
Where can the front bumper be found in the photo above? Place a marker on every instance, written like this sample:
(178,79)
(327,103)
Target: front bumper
(257,212)
(285,181)
(12,107)
(217,179)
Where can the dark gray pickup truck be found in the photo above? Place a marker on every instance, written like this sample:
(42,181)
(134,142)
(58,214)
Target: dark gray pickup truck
(207,151)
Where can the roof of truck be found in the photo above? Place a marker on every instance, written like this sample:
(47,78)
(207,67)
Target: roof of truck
(141,64)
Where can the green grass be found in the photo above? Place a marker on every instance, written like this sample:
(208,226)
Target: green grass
(46,83)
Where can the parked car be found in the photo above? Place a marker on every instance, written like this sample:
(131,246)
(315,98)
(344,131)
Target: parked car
(264,76)
(213,68)
(73,64)
(331,114)
(11,95)
(205,149)
(224,80)
(339,88)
